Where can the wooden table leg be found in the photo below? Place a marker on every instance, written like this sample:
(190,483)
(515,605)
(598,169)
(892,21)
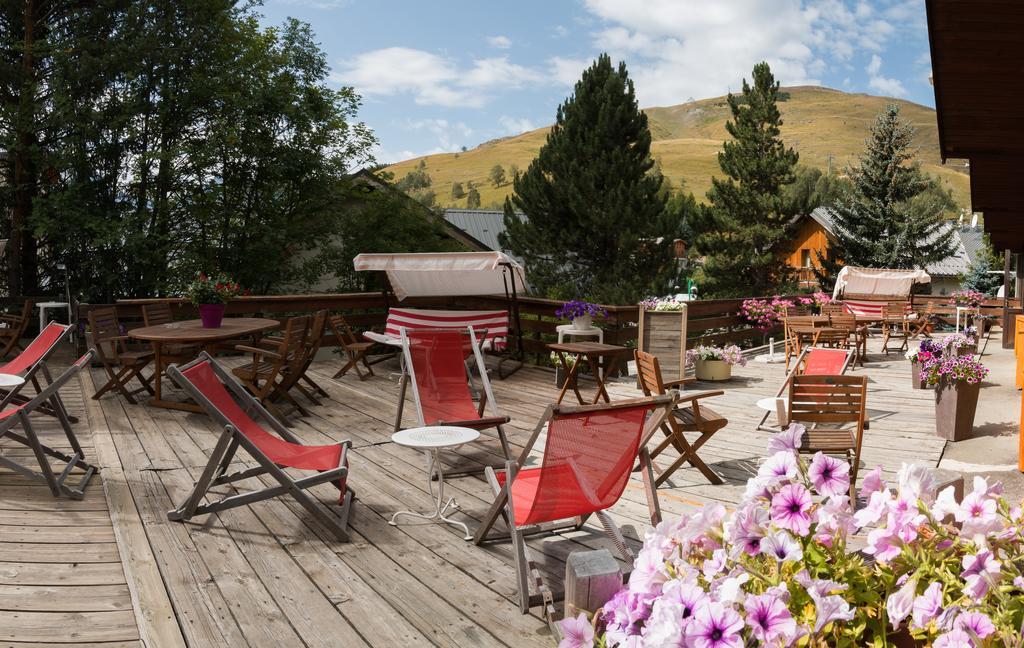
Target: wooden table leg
(570,378)
(599,375)
(158,375)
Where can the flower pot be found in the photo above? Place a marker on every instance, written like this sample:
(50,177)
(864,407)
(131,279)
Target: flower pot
(955,405)
(583,323)
(969,350)
(713,370)
(915,376)
(211,315)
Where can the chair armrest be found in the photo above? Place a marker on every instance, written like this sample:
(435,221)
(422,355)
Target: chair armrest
(682,381)
(486,421)
(257,351)
(689,397)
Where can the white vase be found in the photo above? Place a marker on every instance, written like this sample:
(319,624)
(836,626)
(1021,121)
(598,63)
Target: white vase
(583,323)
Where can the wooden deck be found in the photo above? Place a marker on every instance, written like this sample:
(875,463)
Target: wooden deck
(111,570)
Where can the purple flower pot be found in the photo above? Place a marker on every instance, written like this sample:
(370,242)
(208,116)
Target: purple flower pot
(211,315)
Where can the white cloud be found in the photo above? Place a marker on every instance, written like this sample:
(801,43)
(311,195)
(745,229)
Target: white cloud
(500,42)
(874,66)
(515,126)
(887,86)
(431,79)
(567,71)
(559,31)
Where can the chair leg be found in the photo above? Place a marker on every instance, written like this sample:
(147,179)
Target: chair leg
(497,507)
(188,507)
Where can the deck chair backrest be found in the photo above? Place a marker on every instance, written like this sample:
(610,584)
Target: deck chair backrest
(825,362)
(436,361)
(797,311)
(846,321)
(828,401)
(291,344)
(38,349)
(588,458)
(47,393)
(648,373)
(315,338)
(157,314)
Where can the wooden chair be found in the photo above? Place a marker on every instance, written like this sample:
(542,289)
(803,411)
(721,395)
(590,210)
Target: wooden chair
(795,341)
(833,410)
(689,418)
(353,349)
(121,360)
(811,362)
(272,446)
(797,311)
(315,339)
(266,376)
(20,415)
(160,314)
(895,325)
(858,333)
(923,324)
(833,308)
(589,452)
(16,325)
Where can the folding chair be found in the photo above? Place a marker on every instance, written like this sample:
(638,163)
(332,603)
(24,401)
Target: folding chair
(274,449)
(354,350)
(120,361)
(793,340)
(315,339)
(14,329)
(833,308)
(812,361)
(895,325)
(825,404)
(265,376)
(859,334)
(923,324)
(588,457)
(160,314)
(30,364)
(15,415)
(693,418)
(436,365)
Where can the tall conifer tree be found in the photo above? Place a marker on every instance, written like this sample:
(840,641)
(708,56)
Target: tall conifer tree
(597,226)
(746,220)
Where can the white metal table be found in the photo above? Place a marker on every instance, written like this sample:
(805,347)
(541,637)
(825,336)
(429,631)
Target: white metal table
(10,380)
(431,440)
(969,313)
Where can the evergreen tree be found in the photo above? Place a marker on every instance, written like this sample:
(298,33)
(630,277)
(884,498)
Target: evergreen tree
(457,191)
(472,197)
(596,223)
(497,175)
(747,217)
(896,215)
(981,276)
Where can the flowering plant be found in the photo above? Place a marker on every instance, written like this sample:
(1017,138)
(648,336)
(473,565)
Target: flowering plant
(212,289)
(817,300)
(730,355)
(953,368)
(777,571)
(569,358)
(662,304)
(925,352)
(570,310)
(957,341)
(764,314)
(970,298)
(971,333)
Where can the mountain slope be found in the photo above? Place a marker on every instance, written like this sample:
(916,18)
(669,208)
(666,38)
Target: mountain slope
(820,123)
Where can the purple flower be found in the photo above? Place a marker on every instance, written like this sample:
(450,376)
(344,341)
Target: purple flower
(901,603)
(977,515)
(788,440)
(835,520)
(883,544)
(830,476)
(715,626)
(872,483)
(782,547)
(781,465)
(625,612)
(828,609)
(791,509)
(576,632)
(747,528)
(927,606)
(975,623)
(954,639)
(981,571)
(769,619)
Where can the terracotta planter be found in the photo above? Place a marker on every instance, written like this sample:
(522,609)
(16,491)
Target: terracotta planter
(713,370)
(915,375)
(211,314)
(955,405)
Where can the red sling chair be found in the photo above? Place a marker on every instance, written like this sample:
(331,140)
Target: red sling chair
(589,454)
(230,405)
(435,364)
(812,361)
(32,361)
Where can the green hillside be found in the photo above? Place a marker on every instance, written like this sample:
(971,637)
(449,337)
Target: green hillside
(819,123)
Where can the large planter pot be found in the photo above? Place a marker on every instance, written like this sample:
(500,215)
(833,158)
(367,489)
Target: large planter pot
(955,405)
(583,323)
(713,370)
(663,334)
(969,350)
(915,376)
(211,314)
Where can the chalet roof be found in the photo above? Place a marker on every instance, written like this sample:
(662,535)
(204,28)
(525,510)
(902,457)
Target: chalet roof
(483,225)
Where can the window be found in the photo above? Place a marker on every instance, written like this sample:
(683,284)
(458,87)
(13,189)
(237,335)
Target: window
(805,258)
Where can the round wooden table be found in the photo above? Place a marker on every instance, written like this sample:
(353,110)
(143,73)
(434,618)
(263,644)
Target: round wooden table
(192,332)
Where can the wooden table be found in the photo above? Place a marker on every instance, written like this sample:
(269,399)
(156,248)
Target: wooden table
(192,332)
(601,358)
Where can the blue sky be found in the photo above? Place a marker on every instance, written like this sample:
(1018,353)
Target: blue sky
(439,75)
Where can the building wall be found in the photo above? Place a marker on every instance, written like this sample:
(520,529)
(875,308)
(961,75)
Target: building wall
(809,240)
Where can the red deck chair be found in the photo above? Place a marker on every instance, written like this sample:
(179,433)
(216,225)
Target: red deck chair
(812,361)
(230,405)
(30,364)
(435,364)
(18,415)
(589,454)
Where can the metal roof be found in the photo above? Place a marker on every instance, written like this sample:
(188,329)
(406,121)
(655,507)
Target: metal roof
(484,225)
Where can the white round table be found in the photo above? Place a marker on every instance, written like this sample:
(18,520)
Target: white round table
(431,440)
(778,405)
(10,380)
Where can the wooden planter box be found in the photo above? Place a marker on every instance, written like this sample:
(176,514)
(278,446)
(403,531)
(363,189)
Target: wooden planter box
(663,334)
(955,405)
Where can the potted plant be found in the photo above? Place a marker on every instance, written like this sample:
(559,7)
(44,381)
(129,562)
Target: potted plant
(924,353)
(560,375)
(960,344)
(662,331)
(210,294)
(580,313)
(957,382)
(815,301)
(713,362)
(966,298)
(764,314)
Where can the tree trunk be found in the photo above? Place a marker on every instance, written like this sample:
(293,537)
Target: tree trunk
(25,176)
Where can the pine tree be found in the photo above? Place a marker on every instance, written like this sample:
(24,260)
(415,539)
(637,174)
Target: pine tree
(596,224)
(747,217)
(895,218)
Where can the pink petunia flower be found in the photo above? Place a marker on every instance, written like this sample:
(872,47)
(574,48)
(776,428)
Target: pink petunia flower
(975,623)
(781,465)
(830,476)
(872,483)
(782,547)
(791,508)
(883,544)
(769,619)
(977,515)
(828,609)
(901,602)
(576,632)
(715,626)
(878,506)
(954,639)
(916,482)
(835,520)
(788,440)
(927,606)
(981,571)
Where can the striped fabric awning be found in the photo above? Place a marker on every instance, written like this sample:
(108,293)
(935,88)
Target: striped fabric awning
(495,323)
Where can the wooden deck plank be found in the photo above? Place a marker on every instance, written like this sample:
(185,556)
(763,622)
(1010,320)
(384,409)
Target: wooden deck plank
(65,598)
(93,627)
